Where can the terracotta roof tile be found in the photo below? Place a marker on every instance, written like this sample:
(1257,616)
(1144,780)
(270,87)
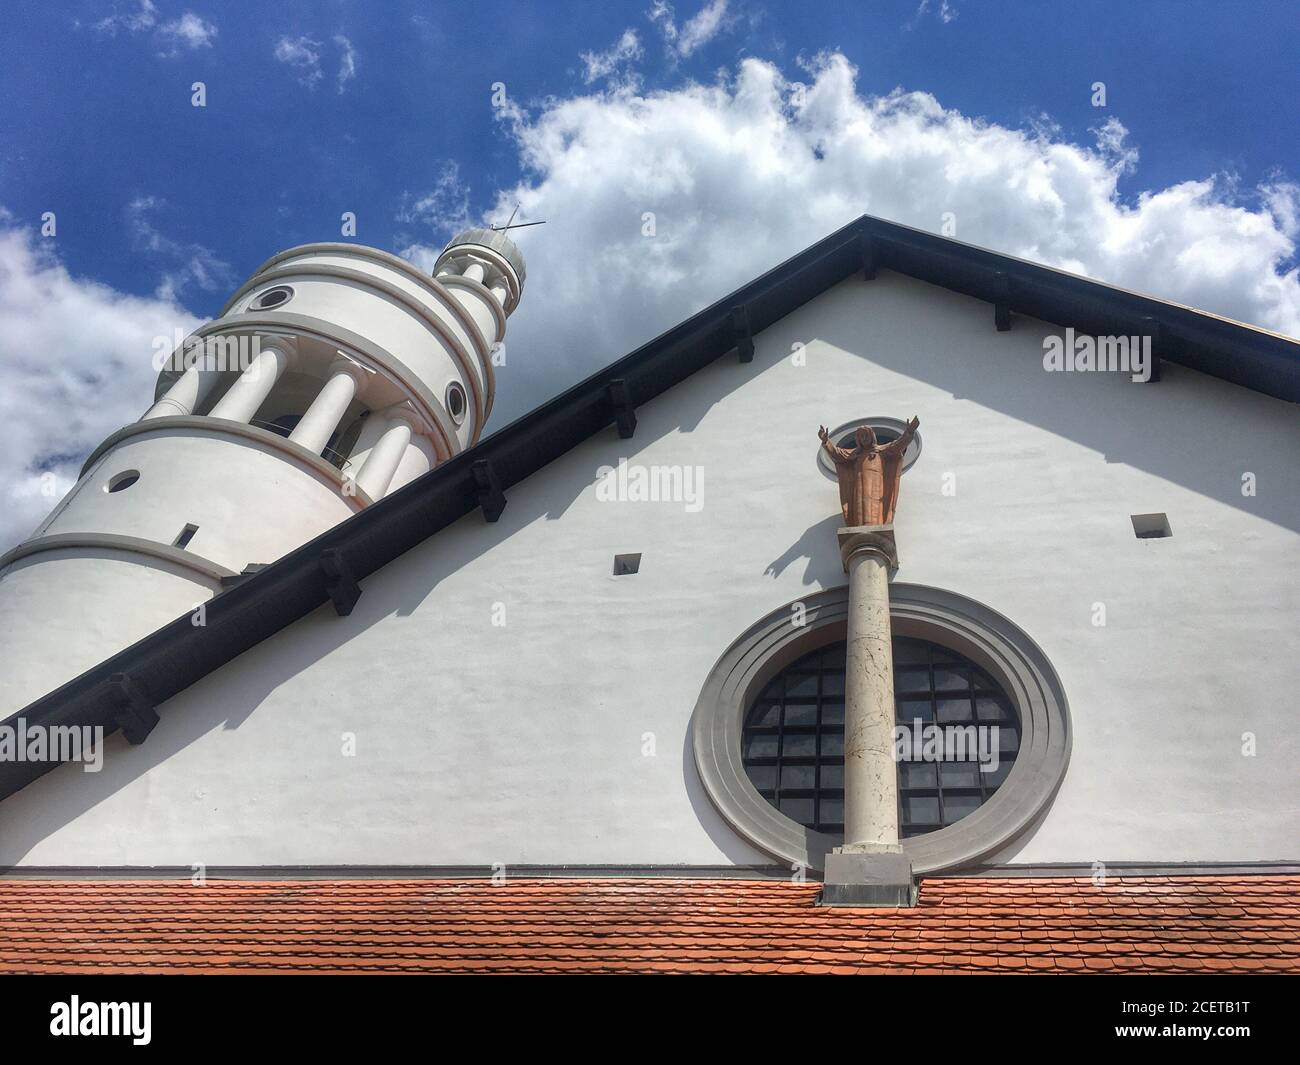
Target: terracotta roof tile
(961,925)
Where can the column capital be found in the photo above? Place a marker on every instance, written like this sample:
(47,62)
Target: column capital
(875,540)
(404,413)
(360,374)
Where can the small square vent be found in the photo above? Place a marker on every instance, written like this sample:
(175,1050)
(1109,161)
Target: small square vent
(1151,526)
(625,564)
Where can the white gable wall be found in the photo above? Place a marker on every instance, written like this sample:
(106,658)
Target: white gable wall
(523,744)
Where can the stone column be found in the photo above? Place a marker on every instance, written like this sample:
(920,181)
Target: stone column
(317,425)
(190,389)
(376,472)
(871,868)
(246,395)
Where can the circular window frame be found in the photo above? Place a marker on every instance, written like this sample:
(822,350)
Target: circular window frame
(121,481)
(988,639)
(896,425)
(456,386)
(257,303)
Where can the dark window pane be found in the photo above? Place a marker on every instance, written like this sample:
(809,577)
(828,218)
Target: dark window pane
(799,745)
(917,775)
(832,659)
(952,710)
(832,713)
(910,652)
(960,774)
(991,709)
(800,714)
(911,679)
(798,810)
(955,807)
(832,744)
(765,715)
(832,776)
(802,684)
(921,809)
(760,746)
(832,810)
(798,776)
(950,680)
(763,777)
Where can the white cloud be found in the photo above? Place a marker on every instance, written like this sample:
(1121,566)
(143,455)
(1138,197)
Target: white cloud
(347,61)
(187,32)
(697,31)
(943,11)
(180,265)
(303,55)
(172,38)
(444,208)
(598,65)
(78,364)
(738,177)
(143,17)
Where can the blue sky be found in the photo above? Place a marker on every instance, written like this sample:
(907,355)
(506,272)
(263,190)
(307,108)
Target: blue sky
(749,129)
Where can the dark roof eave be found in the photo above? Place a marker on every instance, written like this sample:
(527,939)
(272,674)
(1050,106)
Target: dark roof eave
(179,654)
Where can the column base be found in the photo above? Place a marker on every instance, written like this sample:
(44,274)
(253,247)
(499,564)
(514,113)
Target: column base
(876,877)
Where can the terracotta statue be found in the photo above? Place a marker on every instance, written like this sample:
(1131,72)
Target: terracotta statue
(869,474)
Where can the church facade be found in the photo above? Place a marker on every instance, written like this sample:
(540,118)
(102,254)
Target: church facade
(611,646)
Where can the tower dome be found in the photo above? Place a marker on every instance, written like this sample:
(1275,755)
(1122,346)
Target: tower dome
(489,257)
(493,240)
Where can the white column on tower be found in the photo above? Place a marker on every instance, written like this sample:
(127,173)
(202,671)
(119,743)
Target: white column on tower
(247,394)
(376,472)
(190,389)
(315,428)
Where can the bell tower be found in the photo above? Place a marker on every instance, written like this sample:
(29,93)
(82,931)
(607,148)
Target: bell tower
(335,375)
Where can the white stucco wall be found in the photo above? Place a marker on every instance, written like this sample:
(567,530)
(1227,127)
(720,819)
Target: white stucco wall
(251,501)
(524,743)
(64,611)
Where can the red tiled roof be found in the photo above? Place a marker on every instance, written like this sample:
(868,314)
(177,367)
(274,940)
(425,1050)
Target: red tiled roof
(1003,925)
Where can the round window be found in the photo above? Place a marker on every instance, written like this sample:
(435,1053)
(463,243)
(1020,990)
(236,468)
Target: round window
(887,430)
(768,730)
(272,297)
(456,403)
(125,479)
(956,738)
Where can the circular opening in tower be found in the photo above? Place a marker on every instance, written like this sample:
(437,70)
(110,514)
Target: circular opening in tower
(125,479)
(456,403)
(273,297)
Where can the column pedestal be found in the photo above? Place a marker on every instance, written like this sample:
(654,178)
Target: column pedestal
(871,868)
